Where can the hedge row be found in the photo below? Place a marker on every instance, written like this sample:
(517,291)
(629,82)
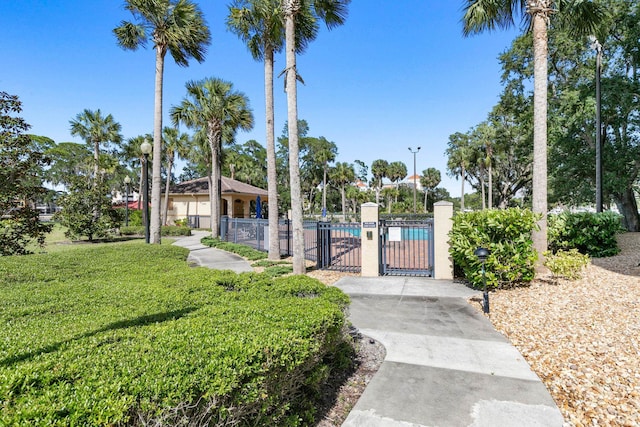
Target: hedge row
(165,230)
(127,334)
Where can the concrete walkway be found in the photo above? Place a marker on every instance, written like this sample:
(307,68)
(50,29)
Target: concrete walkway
(205,256)
(446,365)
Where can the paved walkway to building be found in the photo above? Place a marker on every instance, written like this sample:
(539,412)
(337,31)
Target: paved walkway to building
(446,365)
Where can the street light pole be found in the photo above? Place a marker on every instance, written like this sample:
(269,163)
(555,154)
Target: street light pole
(127,181)
(145,147)
(595,44)
(414,177)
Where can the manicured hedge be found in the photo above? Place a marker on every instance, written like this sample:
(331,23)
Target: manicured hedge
(507,235)
(128,334)
(592,234)
(165,230)
(243,250)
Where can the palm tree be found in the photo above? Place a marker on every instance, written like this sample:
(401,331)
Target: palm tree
(397,172)
(177,26)
(458,154)
(260,24)
(213,106)
(429,180)
(582,17)
(175,143)
(333,13)
(343,174)
(96,129)
(379,170)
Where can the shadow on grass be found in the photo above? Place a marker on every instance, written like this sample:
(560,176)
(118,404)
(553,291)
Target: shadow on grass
(121,324)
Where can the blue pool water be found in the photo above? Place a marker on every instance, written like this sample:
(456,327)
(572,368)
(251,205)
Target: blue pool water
(406,233)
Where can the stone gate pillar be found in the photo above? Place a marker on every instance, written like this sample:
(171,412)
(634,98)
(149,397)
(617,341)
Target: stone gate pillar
(370,237)
(442,225)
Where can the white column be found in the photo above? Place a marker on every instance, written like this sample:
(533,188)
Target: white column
(442,225)
(370,246)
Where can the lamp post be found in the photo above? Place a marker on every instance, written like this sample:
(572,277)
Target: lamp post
(414,177)
(483,254)
(127,181)
(595,44)
(145,147)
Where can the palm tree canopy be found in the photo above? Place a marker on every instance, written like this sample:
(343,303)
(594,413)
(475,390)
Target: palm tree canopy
(580,16)
(174,25)
(213,101)
(93,127)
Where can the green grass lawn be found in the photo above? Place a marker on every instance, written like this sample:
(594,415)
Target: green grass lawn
(101,334)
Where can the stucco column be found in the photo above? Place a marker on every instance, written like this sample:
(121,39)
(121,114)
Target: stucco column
(370,237)
(442,225)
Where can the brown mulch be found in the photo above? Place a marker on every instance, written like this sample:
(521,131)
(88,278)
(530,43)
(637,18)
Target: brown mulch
(582,338)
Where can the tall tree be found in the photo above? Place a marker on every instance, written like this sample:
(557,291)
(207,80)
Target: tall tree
(176,144)
(213,106)
(96,130)
(458,153)
(333,13)
(20,182)
(379,170)
(342,174)
(581,16)
(260,24)
(397,172)
(176,26)
(429,180)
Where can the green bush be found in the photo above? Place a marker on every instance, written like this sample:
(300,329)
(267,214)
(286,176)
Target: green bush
(127,333)
(135,216)
(593,234)
(507,235)
(567,264)
(242,250)
(165,230)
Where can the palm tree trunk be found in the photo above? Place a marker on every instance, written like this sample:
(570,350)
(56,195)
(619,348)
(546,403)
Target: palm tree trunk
(165,208)
(272,176)
(344,203)
(156,178)
(490,189)
(482,192)
(289,9)
(462,175)
(96,162)
(540,135)
(214,136)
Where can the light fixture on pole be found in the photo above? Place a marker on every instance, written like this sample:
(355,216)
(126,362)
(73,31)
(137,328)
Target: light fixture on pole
(483,254)
(145,147)
(595,44)
(414,177)
(127,181)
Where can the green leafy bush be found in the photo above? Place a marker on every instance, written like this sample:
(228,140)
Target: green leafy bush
(507,235)
(127,333)
(567,264)
(242,250)
(135,216)
(165,230)
(593,234)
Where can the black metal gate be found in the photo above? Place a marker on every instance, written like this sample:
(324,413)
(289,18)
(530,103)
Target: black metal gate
(339,246)
(406,247)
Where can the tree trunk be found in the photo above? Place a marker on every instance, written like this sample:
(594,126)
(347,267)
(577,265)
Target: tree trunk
(165,208)
(490,189)
(96,162)
(628,208)
(540,135)
(290,8)
(272,176)
(462,175)
(214,137)
(344,203)
(482,192)
(156,177)
(324,189)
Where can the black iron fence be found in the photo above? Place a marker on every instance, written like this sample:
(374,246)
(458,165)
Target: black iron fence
(333,246)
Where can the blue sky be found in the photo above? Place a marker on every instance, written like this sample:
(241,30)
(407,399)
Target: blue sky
(398,74)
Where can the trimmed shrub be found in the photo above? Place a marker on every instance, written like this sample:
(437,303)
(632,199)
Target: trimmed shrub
(593,234)
(128,334)
(242,250)
(165,230)
(507,235)
(567,264)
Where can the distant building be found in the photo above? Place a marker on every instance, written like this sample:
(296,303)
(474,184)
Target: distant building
(408,181)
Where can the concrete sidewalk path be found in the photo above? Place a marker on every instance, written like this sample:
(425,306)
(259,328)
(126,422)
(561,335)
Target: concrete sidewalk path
(205,256)
(446,365)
